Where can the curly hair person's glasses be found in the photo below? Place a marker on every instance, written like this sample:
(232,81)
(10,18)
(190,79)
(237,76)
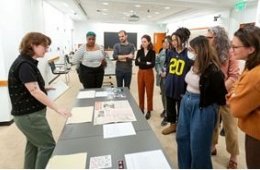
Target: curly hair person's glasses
(209,37)
(233,47)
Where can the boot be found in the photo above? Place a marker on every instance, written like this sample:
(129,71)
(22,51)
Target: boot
(148,115)
(162,114)
(169,130)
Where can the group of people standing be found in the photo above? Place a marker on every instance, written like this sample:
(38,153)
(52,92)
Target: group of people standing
(199,83)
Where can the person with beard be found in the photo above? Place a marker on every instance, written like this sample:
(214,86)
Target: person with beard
(123,54)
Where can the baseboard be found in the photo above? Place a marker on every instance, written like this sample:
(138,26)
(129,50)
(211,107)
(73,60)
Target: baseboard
(6,123)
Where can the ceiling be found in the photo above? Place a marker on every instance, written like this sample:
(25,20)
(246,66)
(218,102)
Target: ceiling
(147,11)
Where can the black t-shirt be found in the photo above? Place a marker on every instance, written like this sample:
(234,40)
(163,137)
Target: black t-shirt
(26,73)
(24,70)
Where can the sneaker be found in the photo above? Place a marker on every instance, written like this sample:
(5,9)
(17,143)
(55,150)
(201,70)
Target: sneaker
(148,115)
(170,129)
(162,114)
(164,122)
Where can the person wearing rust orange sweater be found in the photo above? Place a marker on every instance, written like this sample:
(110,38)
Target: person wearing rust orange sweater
(244,98)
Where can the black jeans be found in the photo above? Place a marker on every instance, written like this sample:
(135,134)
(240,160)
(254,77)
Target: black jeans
(173,107)
(123,77)
(91,77)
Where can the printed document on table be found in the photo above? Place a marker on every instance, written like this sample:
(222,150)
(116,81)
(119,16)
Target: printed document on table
(118,129)
(81,115)
(86,94)
(113,111)
(147,160)
(72,161)
(100,162)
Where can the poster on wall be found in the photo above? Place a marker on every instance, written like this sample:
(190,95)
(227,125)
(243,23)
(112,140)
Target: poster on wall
(111,38)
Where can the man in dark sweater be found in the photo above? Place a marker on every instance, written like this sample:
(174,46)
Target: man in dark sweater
(124,54)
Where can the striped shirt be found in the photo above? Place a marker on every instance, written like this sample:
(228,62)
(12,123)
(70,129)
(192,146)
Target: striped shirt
(89,58)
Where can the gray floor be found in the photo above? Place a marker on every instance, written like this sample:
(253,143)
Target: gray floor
(12,141)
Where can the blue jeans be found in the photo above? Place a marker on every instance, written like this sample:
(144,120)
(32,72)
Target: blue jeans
(194,133)
(125,77)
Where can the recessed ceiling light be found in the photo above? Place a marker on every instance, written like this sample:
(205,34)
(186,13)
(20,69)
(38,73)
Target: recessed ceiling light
(167,7)
(104,9)
(131,11)
(105,3)
(157,13)
(137,6)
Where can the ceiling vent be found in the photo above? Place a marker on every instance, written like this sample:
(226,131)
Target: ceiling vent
(133,18)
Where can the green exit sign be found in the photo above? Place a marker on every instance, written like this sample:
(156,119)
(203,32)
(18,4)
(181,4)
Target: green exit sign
(240,5)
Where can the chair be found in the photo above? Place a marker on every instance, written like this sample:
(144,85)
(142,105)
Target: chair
(58,71)
(67,59)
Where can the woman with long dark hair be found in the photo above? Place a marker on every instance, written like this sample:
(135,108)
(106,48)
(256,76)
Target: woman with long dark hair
(199,107)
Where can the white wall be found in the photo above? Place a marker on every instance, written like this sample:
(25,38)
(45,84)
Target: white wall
(81,28)
(59,27)
(258,14)
(16,18)
(230,20)
(200,21)
(239,17)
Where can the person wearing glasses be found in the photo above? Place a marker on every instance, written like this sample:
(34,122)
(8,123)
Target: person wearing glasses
(178,64)
(219,40)
(29,100)
(244,98)
(90,59)
(199,107)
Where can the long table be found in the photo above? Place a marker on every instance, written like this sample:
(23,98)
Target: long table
(86,137)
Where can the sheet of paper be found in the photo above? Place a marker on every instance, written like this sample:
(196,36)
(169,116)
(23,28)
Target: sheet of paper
(60,88)
(100,162)
(81,115)
(72,161)
(147,160)
(101,94)
(86,94)
(118,129)
(113,111)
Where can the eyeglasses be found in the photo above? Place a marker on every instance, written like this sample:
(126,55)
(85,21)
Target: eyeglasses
(208,37)
(236,47)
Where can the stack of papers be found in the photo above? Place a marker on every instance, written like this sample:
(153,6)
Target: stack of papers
(81,115)
(72,161)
